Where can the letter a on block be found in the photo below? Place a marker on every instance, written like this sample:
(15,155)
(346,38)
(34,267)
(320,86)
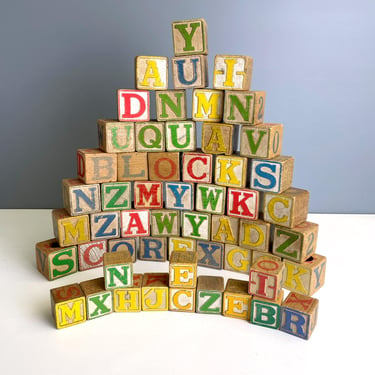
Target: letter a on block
(151,72)
(135,223)
(133,105)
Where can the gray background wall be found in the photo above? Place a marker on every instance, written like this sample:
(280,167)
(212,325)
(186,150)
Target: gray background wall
(61,63)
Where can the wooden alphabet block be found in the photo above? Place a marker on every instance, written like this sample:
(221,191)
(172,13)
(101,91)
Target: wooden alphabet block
(182,299)
(180,244)
(124,244)
(243,203)
(165,223)
(190,37)
(151,72)
(299,315)
(196,225)
(95,166)
(68,305)
(209,294)
(116,196)
(150,136)
(183,269)
(154,249)
(98,299)
(207,105)
(217,138)
(230,171)
(210,254)
(148,194)
(197,167)
(132,166)
(254,235)
(155,292)
(164,166)
(171,105)
(135,223)
(118,270)
(225,229)
(54,261)
(190,72)
(179,195)
(180,136)
(287,209)
(232,72)
(210,198)
(116,136)
(236,299)
(133,105)
(237,259)
(90,254)
(261,254)
(128,299)
(105,225)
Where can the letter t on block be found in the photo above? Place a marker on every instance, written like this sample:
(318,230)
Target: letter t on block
(118,270)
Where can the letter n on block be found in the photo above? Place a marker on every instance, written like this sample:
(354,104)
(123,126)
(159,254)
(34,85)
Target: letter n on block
(210,294)
(128,299)
(118,270)
(171,105)
(135,223)
(155,292)
(133,105)
(236,299)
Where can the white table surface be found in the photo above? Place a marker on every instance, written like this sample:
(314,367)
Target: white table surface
(185,343)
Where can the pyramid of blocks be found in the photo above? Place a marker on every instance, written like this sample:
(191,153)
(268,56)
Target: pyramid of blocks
(147,193)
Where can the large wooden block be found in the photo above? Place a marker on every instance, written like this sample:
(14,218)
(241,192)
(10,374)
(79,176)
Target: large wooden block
(254,235)
(197,167)
(210,198)
(165,223)
(164,166)
(116,136)
(148,194)
(171,105)
(68,305)
(95,166)
(190,71)
(237,259)
(287,209)
(133,105)
(155,292)
(207,105)
(150,136)
(210,254)
(190,37)
(179,195)
(182,299)
(153,249)
(116,196)
(105,225)
(196,225)
(132,166)
(225,229)
(54,261)
(128,299)
(118,270)
(261,254)
(209,294)
(135,223)
(180,136)
(230,171)
(181,244)
(151,72)
(124,244)
(243,203)
(90,254)
(183,269)
(217,138)
(236,299)
(299,315)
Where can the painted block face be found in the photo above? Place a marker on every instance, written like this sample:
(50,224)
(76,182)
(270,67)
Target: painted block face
(180,136)
(180,244)
(196,225)
(217,138)
(132,166)
(171,105)
(274,175)
(197,167)
(225,229)
(165,223)
(190,37)
(124,244)
(179,195)
(236,300)
(128,299)
(90,254)
(262,141)
(207,105)
(183,269)
(118,270)
(246,107)
(148,194)
(164,166)
(116,136)
(68,305)
(150,136)
(209,294)
(233,72)
(154,249)
(190,72)
(116,196)
(210,254)
(261,254)
(237,259)
(182,299)
(296,244)
(54,261)
(133,105)
(151,72)
(135,223)
(210,198)
(95,166)
(299,315)
(230,171)
(105,225)
(155,292)
(243,203)
(254,235)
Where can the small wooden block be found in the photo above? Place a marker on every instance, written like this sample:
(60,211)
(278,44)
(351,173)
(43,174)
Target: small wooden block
(207,105)
(151,72)
(90,254)
(180,244)
(209,294)
(148,194)
(165,223)
(296,244)
(68,305)
(124,244)
(116,196)
(116,136)
(118,270)
(133,105)
(237,259)
(274,175)
(287,209)
(155,292)
(182,299)
(128,299)
(210,254)
(236,299)
(183,269)
(243,203)
(164,166)
(171,105)
(210,198)
(95,166)
(196,225)
(225,229)
(190,37)
(261,254)
(132,166)
(54,261)
(180,136)
(154,249)
(135,223)
(190,72)
(299,315)
(197,167)
(179,195)
(98,299)
(244,107)
(150,136)
(105,225)
(254,235)
(230,171)
(217,138)
(261,141)
(232,72)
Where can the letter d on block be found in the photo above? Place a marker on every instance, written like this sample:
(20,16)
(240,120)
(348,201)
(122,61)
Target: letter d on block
(133,105)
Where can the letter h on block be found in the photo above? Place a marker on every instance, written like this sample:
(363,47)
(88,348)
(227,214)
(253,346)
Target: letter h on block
(118,270)
(128,299)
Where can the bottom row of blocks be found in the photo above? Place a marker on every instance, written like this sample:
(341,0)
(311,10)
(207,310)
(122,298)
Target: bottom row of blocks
(76,303)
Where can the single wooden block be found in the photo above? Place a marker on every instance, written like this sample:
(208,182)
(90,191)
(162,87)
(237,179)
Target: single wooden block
(105,225)
(299,315)
(148,194)
(133,105)
(296,244)
(209,294)
(118,270)
(197,167)
(244,107)
(132,166)
(54,261)
(171,105)
(165,223)
(180,136)
(116,136)
(190,37)
(151,72)
(182,299)
(210,198)
(274,175)
(266,276)
(254,235)
(155,292)
(262,141)
(236,299)
(230,171)
(135,223)
(225,229)
(207,105)
(90,254)
(183,269)
(116,196)
(68,305)
(232,72)
(124,244)
(217,138)
(128,299)
(70,230)
(196,225)
(179,195)
(95,166)
(243,203)
(98,299)
(237,259)
(210,254)
(287,209)
(261,254)
(190,72)
(181,244)
(164,166)
(153,249)
(150,136)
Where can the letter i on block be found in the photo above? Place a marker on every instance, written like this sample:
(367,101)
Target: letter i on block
(209,294)
(116,136)
(155,292)
(236,299)
(183,269)
(118,270)
(128,299)
(151,72)
(133,105)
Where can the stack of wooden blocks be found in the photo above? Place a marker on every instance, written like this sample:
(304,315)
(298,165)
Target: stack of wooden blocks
(148,193)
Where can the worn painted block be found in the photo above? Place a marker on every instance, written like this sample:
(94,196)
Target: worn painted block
(116,196)
(287,209)
(181,244)
(124,244)
(148,194)
(68,305)
(118,270)
(151,72)
(153,249)
(133,105)
(225,229)
(217,138)
(236,299)
(165,223)
(90,254)
(54,261)
(190,71)
(150,136)
(243,203)
(135,223)
(95,166)
(210,254)
(209,294)
(197,167)
(180,136)
(299,315)
(182,299)
(132,166)
(179,195)
(183,269)
(237,259)
(171,105)
(196,225)
(230,171)
(164,166)
(261,254)
(254,235)
(105,225)
(210,198)
(155,292)
(128,299)
(116,136)
(207,105)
